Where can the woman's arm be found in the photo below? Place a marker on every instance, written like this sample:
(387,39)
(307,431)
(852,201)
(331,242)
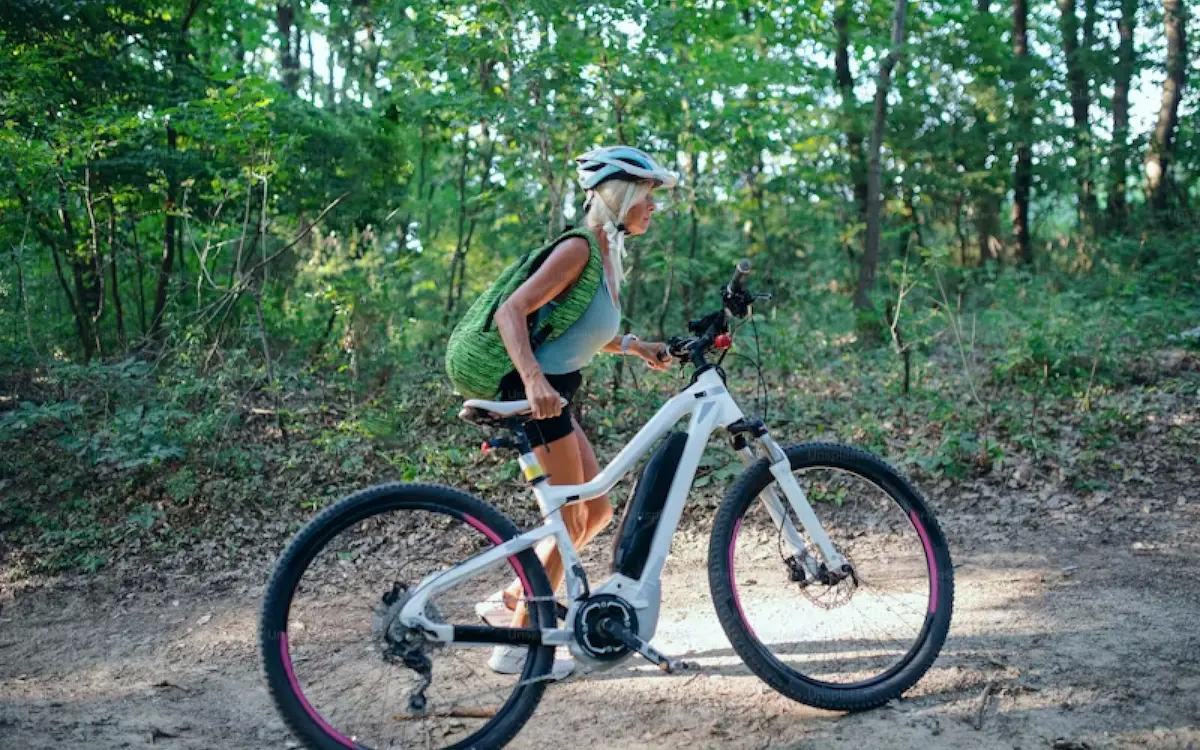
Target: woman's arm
(562,269)
(614,346)
(647,350)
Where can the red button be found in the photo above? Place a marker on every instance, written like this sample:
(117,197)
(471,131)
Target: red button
(723,341)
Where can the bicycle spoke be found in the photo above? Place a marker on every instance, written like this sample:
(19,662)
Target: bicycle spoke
(359,682)
(853,630)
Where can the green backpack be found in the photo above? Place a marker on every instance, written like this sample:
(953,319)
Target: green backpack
(476,359)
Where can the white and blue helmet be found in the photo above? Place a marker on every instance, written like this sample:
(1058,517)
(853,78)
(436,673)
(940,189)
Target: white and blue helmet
(630,165)
(621,163)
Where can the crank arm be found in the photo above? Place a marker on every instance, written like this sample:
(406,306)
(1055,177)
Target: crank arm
(631,640)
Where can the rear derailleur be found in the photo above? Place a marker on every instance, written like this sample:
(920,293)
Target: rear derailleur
(403,645)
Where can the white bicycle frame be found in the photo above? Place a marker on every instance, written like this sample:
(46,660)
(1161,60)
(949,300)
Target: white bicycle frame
(711,407)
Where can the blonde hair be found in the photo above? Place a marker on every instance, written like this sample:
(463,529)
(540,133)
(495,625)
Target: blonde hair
(606,207)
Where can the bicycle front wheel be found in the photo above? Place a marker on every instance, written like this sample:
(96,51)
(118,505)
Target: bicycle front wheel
(849,642)
(344,672)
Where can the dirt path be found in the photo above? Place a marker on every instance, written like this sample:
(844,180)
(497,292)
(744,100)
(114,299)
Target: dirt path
(1062,638)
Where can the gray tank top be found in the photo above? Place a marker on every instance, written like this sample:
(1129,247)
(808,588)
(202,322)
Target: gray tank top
(576,346)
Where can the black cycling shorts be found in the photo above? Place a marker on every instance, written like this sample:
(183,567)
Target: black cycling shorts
(543,431)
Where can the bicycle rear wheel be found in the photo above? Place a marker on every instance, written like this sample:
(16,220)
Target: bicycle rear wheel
(345,674)
(848,644)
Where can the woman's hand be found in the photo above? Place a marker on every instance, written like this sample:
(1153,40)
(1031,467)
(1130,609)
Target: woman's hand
(656,354)
(543,399)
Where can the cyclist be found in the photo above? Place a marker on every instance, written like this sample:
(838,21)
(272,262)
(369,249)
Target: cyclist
(618,182)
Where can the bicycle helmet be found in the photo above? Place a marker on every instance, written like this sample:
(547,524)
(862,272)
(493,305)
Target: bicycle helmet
(621,163)
(630,165)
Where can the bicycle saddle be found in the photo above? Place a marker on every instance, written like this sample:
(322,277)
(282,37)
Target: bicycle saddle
(482,411)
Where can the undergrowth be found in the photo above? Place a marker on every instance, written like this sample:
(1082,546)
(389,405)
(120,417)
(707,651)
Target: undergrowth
(1013,374)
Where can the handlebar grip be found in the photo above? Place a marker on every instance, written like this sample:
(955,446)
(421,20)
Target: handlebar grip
(739,275)
(661,356)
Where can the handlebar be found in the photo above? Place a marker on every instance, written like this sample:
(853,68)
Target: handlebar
(735,301)
(739,275)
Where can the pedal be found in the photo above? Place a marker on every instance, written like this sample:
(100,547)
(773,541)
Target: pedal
(633,641)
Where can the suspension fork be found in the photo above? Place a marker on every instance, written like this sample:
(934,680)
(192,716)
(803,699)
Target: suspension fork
(781,469)
(775,509)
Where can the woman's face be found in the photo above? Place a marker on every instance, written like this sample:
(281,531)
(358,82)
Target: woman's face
(637,218)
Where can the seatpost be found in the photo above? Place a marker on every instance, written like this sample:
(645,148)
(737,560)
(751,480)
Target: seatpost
(530,466)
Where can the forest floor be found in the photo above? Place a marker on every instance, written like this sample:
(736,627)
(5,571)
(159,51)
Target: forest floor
(1075,627)
(1076,623)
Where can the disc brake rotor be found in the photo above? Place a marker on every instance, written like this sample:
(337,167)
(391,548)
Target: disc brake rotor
(829,589)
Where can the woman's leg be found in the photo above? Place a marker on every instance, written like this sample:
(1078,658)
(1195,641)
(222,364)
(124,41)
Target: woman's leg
(599,509)
(570,460)
(562,461)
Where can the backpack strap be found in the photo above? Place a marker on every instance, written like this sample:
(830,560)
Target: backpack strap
(540,328)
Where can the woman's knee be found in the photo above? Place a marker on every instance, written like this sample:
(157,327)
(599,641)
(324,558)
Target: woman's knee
(600,513)
(577,518)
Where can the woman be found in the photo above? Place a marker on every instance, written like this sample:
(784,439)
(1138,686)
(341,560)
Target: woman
(618,183)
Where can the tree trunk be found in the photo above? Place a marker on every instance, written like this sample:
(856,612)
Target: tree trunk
(1160,154)
(1119,155)
(666,300)
(94,268)
(181,250)
(462,220)
(1077,57)
(312,70)
(978,150)
(910,233)
(987,223)
(423,171)
(870,257)
(168,250)
(466,230)
(297,42)
(489,156)
(141,276)
(285,16)
(330,65)
(370,59)
(850,124)
(78,301)
(546,154)
(694,234)
(112,266)
(958,229)
(1023,121)
(22,294)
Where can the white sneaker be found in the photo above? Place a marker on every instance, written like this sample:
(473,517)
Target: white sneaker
(493,611)
(511,660)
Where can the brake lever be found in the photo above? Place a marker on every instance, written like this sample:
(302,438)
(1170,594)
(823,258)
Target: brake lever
(679,347)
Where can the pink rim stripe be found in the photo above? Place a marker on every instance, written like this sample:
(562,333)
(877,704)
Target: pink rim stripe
(287,659)
(933,577)
(737,529)
(497,540)
(312,714)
